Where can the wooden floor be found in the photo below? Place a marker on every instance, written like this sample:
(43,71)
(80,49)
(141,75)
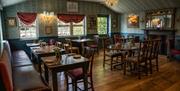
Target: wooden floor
(167,79)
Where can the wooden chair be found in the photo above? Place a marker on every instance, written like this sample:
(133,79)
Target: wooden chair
(76,75)
(154,55)
(117,38)
(139,61)
(59,44)
(70,48)
(109,55)
(95,43)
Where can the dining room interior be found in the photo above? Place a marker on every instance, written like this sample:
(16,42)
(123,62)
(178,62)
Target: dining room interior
(89,45)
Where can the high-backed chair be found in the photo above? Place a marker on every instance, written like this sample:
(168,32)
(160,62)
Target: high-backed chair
(154,55)
(76,75)
(95,43)
(70,47)
(109,55)
(59,44)
(140,59)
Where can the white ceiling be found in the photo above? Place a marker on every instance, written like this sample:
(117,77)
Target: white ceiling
(123,6)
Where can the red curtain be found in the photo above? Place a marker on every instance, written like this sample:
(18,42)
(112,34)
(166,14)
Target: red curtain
(70,18)
(27,18)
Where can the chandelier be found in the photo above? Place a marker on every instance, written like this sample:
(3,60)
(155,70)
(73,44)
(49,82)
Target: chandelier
(111,2)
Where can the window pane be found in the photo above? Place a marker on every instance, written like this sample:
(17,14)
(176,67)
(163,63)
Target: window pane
(102,25)
(27,32)
(64,31)
(78,30)
(79,23)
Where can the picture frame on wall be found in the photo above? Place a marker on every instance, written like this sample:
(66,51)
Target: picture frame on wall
(133,21)
(11,21)
(48,29)
(72,7)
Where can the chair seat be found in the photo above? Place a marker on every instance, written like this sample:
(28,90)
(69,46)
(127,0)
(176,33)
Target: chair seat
(93,46)
(76,73)
(73,48)
(134,59)
(114,53)
(175,52)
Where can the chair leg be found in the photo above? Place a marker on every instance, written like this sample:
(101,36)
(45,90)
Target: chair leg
(92,86)
(104,62)
(124,67)
(111,63)
(139,73)
(150,66)
(74,85)
(67,83)
(157,64)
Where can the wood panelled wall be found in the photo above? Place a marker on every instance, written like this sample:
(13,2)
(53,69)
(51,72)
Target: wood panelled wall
(57,6)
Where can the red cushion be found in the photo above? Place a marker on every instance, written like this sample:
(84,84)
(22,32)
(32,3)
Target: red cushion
(93,46)
(175,52)
(6,72)
(76,73)
(7,80)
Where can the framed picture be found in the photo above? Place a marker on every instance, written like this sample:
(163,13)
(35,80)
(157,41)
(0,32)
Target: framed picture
(72,6)
(133,21)
(48,29)
(11,21)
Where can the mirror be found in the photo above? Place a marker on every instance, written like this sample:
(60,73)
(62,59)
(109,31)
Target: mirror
(159,19)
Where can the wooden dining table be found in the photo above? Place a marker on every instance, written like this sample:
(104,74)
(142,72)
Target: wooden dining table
(67,62)
(37,52)
(82,43)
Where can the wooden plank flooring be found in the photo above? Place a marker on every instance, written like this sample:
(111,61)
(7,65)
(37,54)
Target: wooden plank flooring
(167,79)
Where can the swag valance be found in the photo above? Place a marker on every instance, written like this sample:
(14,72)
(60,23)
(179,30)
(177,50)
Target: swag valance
(70,18)
(27,18)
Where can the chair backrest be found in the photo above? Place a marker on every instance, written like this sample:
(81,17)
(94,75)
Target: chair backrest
(59,44)
(68,41)
(144,51)
(89,53)
(52,42)
(96,39)
(117,38)
(106,43)
(156,48)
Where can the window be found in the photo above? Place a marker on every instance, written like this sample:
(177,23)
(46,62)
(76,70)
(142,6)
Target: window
(27,31)
(68,29)
(102,24)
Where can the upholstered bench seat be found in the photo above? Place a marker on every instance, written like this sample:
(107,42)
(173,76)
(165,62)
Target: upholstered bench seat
(20,58)
(17,72)
(27,79)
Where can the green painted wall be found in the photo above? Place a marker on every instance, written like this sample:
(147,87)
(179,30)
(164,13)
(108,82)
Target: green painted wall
(57,6)
(125,29)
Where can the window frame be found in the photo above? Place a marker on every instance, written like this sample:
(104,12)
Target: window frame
(108,30)
(71,26)
(21,25)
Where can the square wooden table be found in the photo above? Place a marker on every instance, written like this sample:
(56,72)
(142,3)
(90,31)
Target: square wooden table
(82,43)
(67,62)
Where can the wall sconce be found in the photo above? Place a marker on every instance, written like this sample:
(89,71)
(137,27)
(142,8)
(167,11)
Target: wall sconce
(47,17)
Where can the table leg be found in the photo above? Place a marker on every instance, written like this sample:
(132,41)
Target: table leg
(46,73)
(82,47)
(85,83)
(39,66)
(54,81)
